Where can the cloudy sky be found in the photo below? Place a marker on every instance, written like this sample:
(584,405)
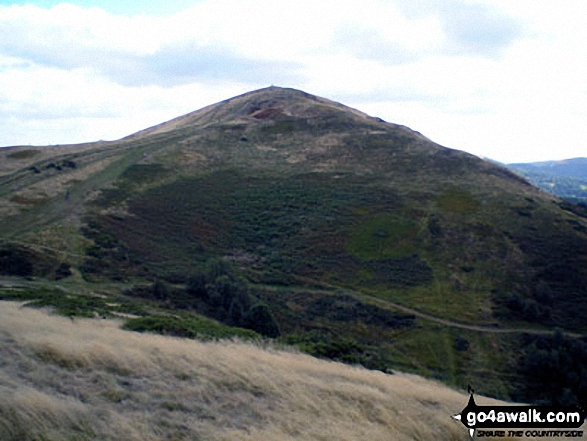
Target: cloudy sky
(497,78)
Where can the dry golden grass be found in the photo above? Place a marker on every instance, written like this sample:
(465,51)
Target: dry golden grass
(87,379)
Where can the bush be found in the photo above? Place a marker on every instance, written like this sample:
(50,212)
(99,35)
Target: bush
(345,350)
(63,271)
(553,371)
(68,304)
(221,289)
(193,327)
(261,320)
(461,344)
(160,290)
(218,292)
(196,286)
(15,262)
(528,309)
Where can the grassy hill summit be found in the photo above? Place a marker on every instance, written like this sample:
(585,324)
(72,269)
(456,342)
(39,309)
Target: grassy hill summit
(282,214)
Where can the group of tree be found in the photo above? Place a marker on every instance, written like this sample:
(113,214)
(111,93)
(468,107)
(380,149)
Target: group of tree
(534,306)
(216,290)
(15,262)
(553,370)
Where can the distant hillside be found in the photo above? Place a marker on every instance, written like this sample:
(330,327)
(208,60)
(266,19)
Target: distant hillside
(570,168)
(285,215)
(566,179)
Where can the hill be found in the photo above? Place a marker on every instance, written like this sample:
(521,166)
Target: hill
(570,168)
(288,215)
(566,179)
(87,379)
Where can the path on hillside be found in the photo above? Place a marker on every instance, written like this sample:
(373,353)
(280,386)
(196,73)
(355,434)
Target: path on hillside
(60,206)
(447,322)
(405,309)
(455,324)
(38,247)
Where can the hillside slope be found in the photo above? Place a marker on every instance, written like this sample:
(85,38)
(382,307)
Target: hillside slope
(87,379)
(292,215)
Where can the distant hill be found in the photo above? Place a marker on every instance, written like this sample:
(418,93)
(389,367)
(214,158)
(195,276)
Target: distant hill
(286,215)
(566,179)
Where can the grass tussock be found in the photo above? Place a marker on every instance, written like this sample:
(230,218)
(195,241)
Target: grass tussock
(87,379)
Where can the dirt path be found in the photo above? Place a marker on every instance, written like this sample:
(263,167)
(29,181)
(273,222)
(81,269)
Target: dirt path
(445,322)
(454,324)
(405,309)
(40,247)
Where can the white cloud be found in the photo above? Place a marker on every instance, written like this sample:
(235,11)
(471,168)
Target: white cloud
(498,78)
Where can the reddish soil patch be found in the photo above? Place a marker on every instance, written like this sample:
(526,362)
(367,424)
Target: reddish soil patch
(270,113)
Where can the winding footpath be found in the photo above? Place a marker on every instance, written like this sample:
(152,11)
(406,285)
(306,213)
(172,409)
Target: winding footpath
(454,324)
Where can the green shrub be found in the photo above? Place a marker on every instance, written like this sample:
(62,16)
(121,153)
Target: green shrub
(346,350)
(196,286)
(71,305)
(160,290)
(63,271)
(458,201)
(193,327)
(15,262)
(553,370)
(261,320)
(383,236)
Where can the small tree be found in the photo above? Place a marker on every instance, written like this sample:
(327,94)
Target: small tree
(14,262)
(236,313)
(196,286)
(63,271)
(160,290)
(216,268)
(260,319)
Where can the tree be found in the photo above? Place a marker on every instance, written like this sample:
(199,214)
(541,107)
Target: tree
(236,313)
(14,262)
(261,320)
(160,290)
(196,286)
(63,271)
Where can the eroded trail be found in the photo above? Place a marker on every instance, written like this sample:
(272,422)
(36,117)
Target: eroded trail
(455,324)
(388,305)
(443,321)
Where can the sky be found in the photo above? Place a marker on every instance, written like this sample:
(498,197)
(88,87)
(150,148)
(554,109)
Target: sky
(500,79)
